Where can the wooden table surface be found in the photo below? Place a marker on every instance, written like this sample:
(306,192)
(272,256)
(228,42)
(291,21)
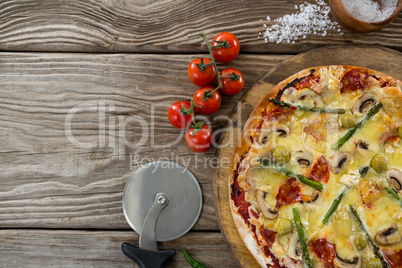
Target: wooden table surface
(105,72)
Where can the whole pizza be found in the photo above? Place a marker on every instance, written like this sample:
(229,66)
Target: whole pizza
(317,173)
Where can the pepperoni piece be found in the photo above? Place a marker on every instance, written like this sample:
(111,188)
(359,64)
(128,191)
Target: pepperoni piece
(354,80)
(393,258)
(324,250)
(268,235)
(320,170)
(289,193)
(278,112)
(308,82)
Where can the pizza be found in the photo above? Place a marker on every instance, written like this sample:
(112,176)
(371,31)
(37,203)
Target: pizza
(316,176)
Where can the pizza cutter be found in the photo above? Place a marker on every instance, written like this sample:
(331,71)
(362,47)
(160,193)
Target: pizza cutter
(161,201)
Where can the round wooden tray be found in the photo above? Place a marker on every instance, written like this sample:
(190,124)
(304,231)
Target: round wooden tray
(377,58)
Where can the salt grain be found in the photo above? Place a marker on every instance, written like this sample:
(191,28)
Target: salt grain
(369,10)
(310,19)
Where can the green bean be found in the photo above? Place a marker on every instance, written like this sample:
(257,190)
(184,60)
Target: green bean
(373,111)
(308,109)
(303,179)
(376,248)
(333,207)
(192,261)
(302,238)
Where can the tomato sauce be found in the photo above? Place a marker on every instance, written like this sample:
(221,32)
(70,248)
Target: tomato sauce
(289,193)
(324,250)
(393,258)
(255,214)
(238,197)
(354,80)
(389,83)
(276,264)
(320,170)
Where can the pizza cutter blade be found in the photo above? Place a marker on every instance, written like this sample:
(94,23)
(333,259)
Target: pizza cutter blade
(161,201)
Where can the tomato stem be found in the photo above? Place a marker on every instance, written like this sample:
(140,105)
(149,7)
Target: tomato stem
(203,66)
(211,53)
(232,76)
(197,127)
(207,94)
(185,111)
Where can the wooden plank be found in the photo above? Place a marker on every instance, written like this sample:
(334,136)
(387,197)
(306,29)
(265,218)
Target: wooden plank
(158,26)
(63,248)
(380,59)
(47,181)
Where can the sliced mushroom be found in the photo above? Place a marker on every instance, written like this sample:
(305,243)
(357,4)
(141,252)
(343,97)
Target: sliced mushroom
(363,103)
(388,236)
(309,97)
(311,199)
(394,177)
(303,158)
(362,146)
(290,95)
(294,249)
(339,162)
(282,130)
(356,262)
(264,135)
(266,210)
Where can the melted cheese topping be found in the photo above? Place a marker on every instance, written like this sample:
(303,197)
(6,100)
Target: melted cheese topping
(376,207)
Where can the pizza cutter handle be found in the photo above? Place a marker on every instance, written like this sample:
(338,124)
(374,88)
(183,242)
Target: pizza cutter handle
(148,258)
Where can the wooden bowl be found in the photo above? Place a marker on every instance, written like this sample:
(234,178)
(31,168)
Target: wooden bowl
(355,25)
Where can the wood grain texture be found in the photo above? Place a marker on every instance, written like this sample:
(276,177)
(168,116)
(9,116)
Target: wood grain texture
(48,182)
(63,248)
(158,26)
(380,59)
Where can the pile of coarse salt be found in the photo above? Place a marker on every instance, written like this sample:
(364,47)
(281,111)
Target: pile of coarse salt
(369,10)
(310,19)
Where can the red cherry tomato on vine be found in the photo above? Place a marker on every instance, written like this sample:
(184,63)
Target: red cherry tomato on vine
(230,47)
(175,116)
(211,105)
(201,141)
(199,74)
(231,86)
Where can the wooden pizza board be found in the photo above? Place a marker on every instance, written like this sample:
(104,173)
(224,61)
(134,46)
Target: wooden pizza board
(380,59)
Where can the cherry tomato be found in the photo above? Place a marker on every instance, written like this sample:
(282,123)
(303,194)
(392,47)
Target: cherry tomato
(209,106)
(230,49)
(199,76)
(232,86)
(201,141)
(175,116)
